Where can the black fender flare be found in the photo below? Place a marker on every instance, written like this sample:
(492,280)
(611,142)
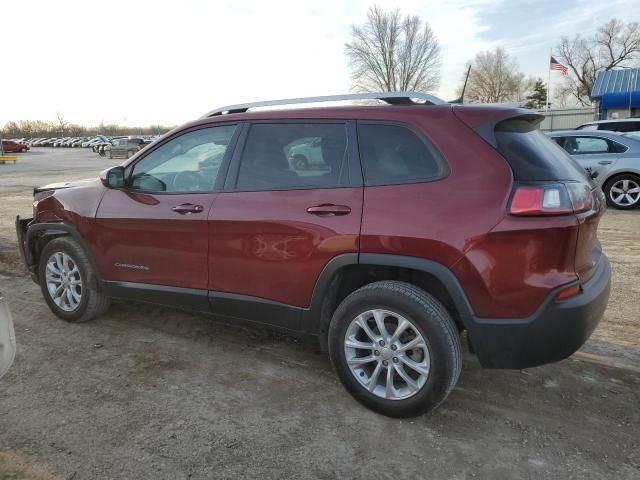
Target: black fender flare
(55,230)
(314,323)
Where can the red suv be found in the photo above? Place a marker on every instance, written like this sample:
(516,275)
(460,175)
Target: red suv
(416,222)
(9,146)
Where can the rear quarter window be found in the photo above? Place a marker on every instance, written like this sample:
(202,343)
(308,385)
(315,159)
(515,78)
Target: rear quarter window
(394,154)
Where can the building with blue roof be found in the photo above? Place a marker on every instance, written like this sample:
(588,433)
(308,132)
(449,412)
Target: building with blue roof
(617,93)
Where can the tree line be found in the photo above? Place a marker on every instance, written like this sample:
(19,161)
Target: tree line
(395,52)
(63,128)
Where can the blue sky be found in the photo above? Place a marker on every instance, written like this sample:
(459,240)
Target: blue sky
(139,62)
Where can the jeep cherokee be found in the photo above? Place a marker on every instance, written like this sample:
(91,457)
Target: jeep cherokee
(418,221)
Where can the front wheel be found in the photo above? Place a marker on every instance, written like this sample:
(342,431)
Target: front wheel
(623,191)
(23,150)
(395,348)
(68,282)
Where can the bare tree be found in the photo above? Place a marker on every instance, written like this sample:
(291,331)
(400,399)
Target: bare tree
(613,45)
(495,78)
(393,53)
(63,123)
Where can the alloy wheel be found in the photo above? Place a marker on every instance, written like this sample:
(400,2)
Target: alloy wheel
(387,354)
(64,282)
(625,193)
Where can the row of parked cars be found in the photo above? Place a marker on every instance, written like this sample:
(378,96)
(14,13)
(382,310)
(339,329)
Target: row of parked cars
(56,142)
(69,142)
(112,147)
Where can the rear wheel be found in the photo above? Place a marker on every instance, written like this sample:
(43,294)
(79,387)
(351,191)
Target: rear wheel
(623,191)
(68,282)
(395,348)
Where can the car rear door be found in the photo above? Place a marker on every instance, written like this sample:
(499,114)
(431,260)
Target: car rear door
(593,153)
(275,226)
(154,230)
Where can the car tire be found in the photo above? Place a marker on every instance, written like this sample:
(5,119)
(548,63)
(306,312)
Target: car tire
(300,162)
(65,265)
(436,354)
(623,191)
(109,155)
(23,150)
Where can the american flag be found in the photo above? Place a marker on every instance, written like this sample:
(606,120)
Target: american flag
(555,65)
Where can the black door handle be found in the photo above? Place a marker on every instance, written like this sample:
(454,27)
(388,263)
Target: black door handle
(328,210)
(187,208)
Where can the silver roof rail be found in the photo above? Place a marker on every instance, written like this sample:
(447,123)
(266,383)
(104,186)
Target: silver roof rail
(394,98)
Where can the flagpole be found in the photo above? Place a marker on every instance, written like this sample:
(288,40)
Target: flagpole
(549,78)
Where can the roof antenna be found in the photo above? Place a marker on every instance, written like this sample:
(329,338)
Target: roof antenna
(466,79)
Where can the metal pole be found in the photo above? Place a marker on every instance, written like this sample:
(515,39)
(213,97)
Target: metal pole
(629,88)
(549,78)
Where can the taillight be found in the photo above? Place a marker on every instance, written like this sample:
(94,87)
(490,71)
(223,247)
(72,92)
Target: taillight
(581,196)
(550,199)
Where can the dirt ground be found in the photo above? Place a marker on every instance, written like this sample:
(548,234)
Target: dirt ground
(149,392)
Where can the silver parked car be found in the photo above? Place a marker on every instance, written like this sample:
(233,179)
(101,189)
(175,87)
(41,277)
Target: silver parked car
(7,338)
(613,158)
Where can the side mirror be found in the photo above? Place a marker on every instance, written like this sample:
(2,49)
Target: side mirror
(113,178)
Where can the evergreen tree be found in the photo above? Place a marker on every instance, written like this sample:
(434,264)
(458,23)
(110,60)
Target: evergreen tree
(538,99)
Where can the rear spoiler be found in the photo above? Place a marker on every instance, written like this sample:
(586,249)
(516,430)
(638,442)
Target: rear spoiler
(484,120)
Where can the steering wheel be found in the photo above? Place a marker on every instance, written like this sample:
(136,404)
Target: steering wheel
(187,181)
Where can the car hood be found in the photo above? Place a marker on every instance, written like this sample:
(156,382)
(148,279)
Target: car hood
(61,185)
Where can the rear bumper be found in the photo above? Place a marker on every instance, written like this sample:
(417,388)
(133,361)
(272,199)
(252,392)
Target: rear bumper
(554,332)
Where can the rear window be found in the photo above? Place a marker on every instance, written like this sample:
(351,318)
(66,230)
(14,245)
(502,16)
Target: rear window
(533,156)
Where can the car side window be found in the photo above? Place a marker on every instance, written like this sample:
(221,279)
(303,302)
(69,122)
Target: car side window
(615,147)
(392,154)
(625,127)
(281,156)
(586,145)
(188,163)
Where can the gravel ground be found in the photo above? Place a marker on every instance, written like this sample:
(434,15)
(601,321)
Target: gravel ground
(150,392)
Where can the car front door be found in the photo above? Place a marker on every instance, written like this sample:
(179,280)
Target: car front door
(154,230)
(275,227)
